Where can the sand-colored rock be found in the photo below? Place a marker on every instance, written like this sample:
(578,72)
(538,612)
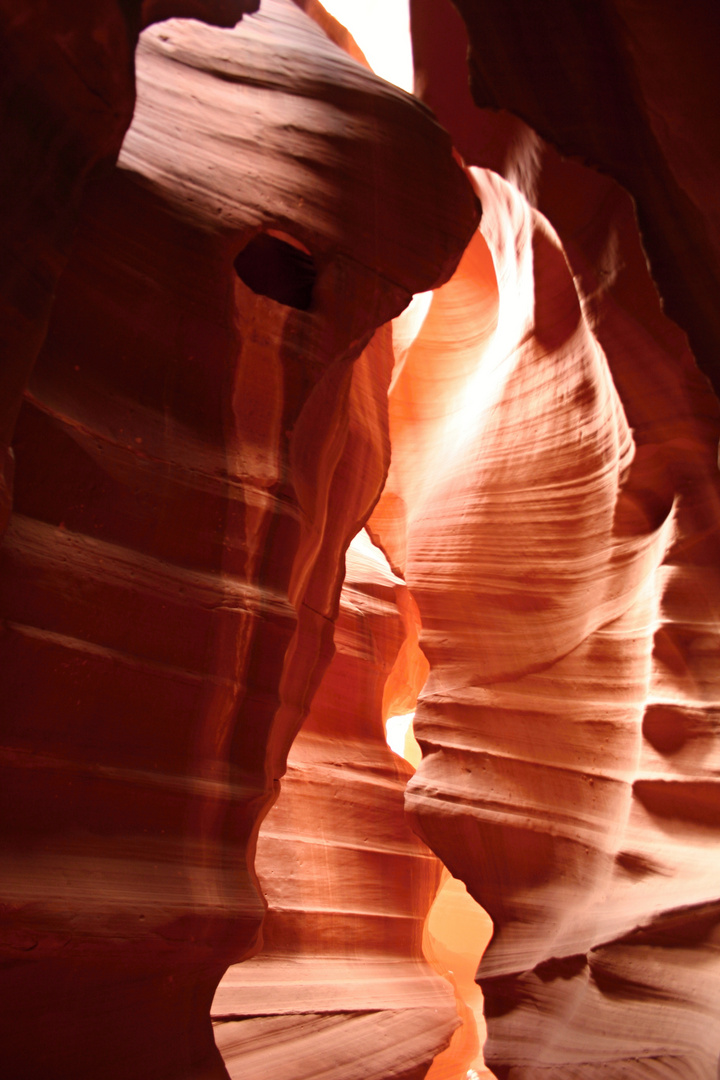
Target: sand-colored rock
(457,933)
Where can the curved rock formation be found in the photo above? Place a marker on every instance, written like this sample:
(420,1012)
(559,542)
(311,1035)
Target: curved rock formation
(630,1005)
(341,976)
(629,87)
(193,456)
(67,92)
(551,549)
(204,431)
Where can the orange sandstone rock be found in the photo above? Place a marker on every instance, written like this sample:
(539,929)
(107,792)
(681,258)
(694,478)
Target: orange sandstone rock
(552,550)
(341,976)
(203,433)
(643,1001)
(67,94)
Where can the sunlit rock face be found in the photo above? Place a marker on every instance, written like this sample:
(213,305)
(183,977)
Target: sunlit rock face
(206,429)
(568,722)
(204,432)
(341,975)
(553,503)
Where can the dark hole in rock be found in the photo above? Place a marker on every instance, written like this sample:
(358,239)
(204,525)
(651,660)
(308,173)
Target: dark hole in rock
(565,967)
(271,266)
(632,862)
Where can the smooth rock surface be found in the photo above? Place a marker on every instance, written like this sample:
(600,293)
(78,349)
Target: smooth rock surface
(555,553)
(637,1005)
(206,429)
(341,976)
(628,87)
(67,91)
(193,458)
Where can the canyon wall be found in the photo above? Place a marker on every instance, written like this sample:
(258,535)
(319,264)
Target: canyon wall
(203,433)
(341,978)
(563,548)
(68,92)
(628,87)
(214,374)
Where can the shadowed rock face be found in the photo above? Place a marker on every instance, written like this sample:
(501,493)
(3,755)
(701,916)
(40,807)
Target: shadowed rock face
(67,91)
(629,88)
(192,459)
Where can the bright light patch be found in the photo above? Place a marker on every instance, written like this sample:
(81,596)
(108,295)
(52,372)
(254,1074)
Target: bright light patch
(396,730)
(382,30)
(405,328)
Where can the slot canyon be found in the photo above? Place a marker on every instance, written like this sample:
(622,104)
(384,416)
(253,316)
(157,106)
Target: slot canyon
(360,542)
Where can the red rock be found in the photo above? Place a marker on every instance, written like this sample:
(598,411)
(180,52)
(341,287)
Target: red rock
(551,549)
(192,461)
(204,432)
(68,93)
(624,1002)
(629,88)
(347,883)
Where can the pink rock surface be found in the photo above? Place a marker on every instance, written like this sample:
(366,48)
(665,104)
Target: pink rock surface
(341,975)
(552,550)
(635,1004)
(204,431)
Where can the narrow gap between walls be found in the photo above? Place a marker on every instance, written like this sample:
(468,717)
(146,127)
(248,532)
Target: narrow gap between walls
(455,918)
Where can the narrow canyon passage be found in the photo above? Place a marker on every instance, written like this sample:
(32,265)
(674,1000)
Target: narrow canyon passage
(254,299)
(191,460)
(357,904)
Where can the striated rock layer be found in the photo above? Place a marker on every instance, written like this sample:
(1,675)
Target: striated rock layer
(629,87)
(553,503)
(204,432)
(67,91)
(623,979)
(341,977)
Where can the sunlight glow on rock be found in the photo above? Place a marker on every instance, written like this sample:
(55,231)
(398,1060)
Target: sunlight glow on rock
(382,30)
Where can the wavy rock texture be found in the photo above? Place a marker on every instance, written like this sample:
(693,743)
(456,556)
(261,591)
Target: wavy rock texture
(341,977)
(193,457)
(555,546)
(67,93)
(203,433)
(630,87)
(635,1005)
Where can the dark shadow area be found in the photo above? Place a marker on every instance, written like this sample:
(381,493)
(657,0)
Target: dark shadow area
(272,267)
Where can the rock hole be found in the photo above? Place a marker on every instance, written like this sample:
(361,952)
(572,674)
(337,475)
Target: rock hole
(278,266)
